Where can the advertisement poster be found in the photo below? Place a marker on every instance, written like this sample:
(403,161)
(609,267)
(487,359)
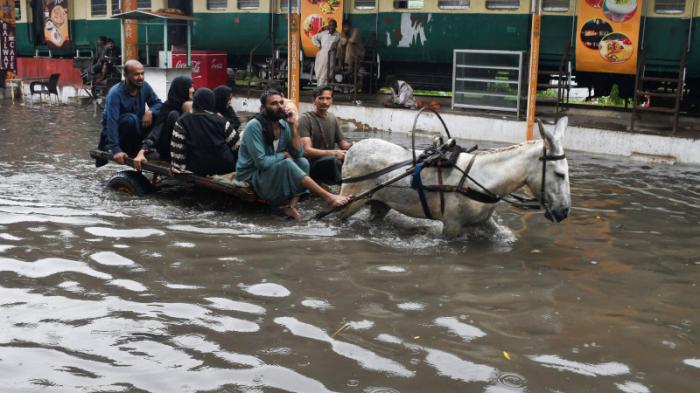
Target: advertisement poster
(608,35)
(315,15)
(8,29)
(56,23)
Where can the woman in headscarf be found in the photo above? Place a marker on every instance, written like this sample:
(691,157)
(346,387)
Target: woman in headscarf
(222,105)
(203,141)
(179,97)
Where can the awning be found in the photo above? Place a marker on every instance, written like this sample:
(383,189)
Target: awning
(150,15)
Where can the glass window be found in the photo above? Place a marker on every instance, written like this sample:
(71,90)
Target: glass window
(555,5)
(669,6)
(284,5)
(18,9)
(116,7)
(502,4)
(143,4)
(408,4)
(248,4)
(98,8)
(453,4)
(365,4)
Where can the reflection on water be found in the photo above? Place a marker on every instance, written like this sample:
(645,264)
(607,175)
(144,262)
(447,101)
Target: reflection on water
(189,291)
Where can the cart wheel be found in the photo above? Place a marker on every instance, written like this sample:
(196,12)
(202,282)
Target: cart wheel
(130,182)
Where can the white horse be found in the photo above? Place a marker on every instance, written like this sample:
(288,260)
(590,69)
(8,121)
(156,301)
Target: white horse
(500,171)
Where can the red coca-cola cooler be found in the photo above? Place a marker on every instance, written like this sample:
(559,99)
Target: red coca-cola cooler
(208,67)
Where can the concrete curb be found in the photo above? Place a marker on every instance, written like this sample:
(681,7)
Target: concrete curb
(652,148)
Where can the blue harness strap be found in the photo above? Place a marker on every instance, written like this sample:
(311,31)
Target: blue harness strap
(417,184)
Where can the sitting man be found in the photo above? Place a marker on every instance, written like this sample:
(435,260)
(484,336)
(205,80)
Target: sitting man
(350,48)
(401,95)
(324,143)
(202,141)
(125,120)
(270,157)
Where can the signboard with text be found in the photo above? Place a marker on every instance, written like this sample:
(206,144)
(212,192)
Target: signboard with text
(8,43)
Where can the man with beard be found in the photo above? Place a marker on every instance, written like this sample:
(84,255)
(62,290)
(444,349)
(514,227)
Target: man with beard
(324,143)
(271,158)
(125,120)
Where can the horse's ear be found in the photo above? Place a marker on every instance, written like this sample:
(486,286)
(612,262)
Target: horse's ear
(560,128)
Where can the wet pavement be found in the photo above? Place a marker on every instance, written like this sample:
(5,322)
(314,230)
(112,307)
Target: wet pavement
(186,290)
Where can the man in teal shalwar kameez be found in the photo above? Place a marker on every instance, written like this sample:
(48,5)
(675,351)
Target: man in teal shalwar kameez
(271,159)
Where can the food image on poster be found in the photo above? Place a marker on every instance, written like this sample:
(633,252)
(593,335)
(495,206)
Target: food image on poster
(313,24)
(326,6)
(616,48)
(595,3)
(593,32)
(620,10)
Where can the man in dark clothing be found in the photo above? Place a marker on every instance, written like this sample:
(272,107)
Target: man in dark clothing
(125,120)
(324,143)
(203,141)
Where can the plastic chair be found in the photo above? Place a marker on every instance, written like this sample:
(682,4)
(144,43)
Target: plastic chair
(47,87)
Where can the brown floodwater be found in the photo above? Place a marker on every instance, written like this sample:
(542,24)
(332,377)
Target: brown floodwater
(186,290)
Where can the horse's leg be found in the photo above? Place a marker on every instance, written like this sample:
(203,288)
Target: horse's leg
(378,210)
(451,228)
(351,208)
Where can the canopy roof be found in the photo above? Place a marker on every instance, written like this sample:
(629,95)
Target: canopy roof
(150,15)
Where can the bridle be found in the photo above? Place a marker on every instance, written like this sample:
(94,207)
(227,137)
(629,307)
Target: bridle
(544,159)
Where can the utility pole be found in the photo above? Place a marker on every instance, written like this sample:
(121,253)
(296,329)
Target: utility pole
(534,67)
(293,50)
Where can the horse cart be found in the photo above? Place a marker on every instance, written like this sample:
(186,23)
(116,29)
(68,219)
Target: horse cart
(136,183)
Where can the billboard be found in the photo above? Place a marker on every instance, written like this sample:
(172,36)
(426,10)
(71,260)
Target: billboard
(608,35)
(56,32)
(315,15)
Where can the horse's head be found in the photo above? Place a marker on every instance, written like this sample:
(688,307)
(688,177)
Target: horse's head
(551,184)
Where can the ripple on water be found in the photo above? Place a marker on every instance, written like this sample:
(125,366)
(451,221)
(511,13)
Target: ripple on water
(130,285)
(7,236)
(266,289)
(692,362)
(391,269)
(467,332)
(110,258)
(5,247)
(591,370)
(124,233)
(48,267)
(632,387)
(220,303)
(316,303)
(364,357)
(411,306)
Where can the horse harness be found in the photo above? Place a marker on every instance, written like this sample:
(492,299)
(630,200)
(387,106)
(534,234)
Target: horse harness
(445,156)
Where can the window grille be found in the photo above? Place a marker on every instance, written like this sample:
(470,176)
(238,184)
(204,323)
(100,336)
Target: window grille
(248,4)
(116,7)
(143,4)
(502,4)
(453,4)
(408,4)
(18,9)
(365,4)
(217,4)
(555,5)
(98,8)
(669,6)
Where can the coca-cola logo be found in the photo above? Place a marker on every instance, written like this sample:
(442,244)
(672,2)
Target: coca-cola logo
(216,66)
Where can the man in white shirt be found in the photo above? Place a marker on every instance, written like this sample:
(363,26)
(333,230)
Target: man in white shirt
(326,40)
(401,95)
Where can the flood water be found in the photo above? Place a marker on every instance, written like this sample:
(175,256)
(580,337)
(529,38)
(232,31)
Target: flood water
(187,291)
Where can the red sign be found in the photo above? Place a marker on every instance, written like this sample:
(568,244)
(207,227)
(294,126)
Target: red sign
(208,67)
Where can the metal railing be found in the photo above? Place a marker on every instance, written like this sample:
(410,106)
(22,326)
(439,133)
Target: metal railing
(487,79)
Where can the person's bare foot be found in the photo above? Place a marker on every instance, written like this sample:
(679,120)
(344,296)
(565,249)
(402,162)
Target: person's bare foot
(292,213)
(338,200)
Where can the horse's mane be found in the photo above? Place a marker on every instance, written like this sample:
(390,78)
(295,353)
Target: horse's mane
(507,148)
